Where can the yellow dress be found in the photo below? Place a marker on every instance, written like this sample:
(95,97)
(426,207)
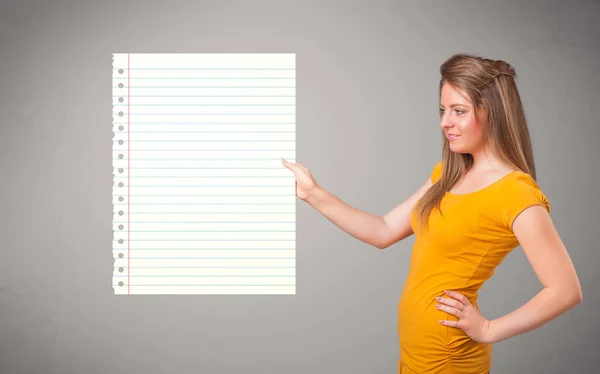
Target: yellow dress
(459,252)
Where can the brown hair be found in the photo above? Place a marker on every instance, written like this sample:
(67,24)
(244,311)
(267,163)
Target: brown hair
(491,87)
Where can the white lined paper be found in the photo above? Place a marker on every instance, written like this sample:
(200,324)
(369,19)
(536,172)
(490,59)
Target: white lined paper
(202,203)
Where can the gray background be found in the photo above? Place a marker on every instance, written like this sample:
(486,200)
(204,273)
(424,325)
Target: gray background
(367,128)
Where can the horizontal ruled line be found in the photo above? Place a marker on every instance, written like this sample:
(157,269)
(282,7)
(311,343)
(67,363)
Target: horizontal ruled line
(203,213)
(256,204)
(208,185)
(273,230)
(212,249)
(216,141)
(203,105)
(210,222)
(204,167)
(268,194)
(186,78)
(214,132)
(249,249)
(205,96)
(209,195)
(198,158)
(213,258)
(209,267)
(210,114)
(209,150)
(125,68)
(205,276)
(220,240)
(206,177)
(206,285)
(180,87)
(205,123)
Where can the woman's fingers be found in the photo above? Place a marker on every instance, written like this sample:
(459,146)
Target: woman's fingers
(302,166)
(450,323)
(455,304)
(454,310)
(305,183)
(470,320)
(293,167)
(451,302)
(458,296)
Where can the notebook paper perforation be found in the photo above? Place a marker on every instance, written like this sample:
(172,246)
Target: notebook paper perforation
(201,201)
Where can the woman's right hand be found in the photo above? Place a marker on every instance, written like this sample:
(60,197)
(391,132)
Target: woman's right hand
(305,183)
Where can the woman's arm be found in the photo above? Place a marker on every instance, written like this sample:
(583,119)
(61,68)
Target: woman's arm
(364,226)
(378,231)
(551,262)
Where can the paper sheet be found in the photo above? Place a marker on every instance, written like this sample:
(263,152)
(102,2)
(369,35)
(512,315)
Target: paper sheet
(202,203)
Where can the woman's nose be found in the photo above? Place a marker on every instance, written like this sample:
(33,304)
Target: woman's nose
(444,122)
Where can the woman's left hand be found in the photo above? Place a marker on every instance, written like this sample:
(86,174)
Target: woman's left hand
(469,318)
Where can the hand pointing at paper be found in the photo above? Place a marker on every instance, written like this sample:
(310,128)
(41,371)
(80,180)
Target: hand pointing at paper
(367,227)
(305,183)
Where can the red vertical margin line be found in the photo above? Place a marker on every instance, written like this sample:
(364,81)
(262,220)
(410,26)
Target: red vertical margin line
(128,176)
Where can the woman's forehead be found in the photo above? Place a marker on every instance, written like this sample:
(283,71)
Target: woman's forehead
(453,96)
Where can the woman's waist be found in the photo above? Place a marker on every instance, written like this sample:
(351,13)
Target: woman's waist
(421,331)
(418,320)
(417,308)
(422,292)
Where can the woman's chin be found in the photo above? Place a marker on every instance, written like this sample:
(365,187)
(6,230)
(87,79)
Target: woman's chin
(457,149)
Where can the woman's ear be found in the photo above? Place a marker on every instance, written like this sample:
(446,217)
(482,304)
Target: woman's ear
(481,112)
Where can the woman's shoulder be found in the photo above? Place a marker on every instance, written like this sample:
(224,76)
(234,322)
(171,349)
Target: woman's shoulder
(519,192)
(520,182)
(436,173)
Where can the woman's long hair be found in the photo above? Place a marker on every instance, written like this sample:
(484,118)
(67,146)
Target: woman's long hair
(491,87)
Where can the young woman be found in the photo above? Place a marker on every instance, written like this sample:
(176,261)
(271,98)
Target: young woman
(480,202)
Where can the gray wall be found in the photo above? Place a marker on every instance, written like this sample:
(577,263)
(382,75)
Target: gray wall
(367,128)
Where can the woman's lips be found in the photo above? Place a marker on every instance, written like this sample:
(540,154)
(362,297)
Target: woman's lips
(452,137)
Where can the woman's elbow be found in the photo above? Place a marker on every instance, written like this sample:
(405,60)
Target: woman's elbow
(578,295)
(574,295)
(568,295)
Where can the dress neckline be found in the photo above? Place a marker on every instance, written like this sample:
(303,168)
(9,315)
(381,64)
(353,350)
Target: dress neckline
(486,187)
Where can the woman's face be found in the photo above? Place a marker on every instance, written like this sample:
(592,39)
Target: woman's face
(457,118)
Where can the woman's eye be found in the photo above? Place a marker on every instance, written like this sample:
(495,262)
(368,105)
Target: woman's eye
(458,111)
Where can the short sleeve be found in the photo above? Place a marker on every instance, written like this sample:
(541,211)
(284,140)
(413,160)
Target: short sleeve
(436,173)
(522,194)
